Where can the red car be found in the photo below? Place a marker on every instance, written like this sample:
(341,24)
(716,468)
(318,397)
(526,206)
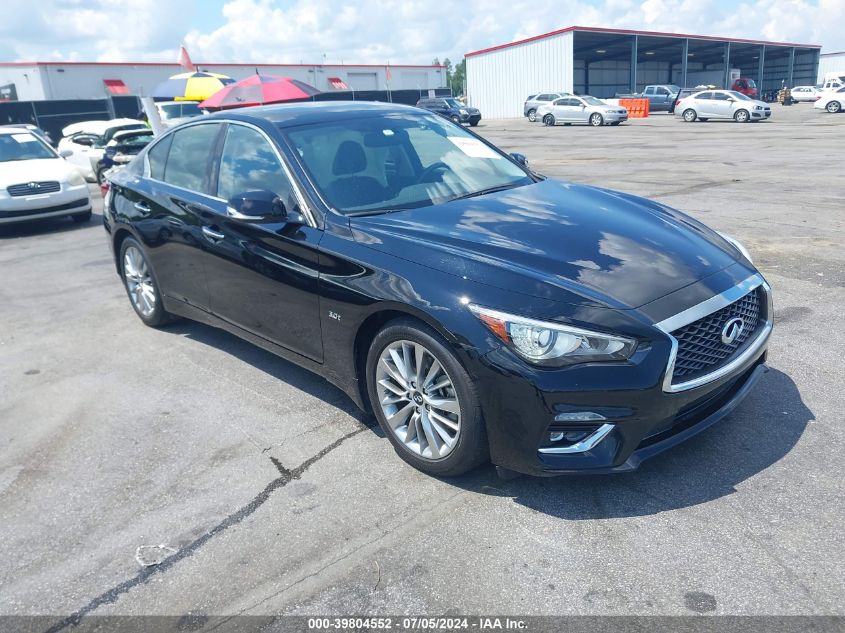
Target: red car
(746,86)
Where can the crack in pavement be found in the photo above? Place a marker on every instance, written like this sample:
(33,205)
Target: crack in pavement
(146,573)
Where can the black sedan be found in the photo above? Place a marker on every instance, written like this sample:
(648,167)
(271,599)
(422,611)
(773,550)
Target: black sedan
(478,309)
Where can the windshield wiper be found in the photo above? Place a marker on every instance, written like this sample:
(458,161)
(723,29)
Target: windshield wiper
(482,192)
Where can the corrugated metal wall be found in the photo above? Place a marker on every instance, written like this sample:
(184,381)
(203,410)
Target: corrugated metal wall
(499,81)
(833,63)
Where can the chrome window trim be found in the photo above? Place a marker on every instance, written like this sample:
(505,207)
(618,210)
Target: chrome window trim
(705,308)
(300,197)
(588,443)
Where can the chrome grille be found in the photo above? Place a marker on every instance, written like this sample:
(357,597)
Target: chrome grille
(33,188)
(700,346)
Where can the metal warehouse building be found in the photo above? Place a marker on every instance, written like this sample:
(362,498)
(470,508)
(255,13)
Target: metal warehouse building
(831,63)
(603,62)
(36,81)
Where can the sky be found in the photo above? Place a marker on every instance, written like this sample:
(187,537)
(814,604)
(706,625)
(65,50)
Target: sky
(373,31)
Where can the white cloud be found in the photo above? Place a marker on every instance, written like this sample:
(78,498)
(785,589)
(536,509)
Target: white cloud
(376,30)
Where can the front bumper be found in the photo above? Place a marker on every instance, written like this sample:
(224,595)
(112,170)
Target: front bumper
(69,201)
(615,117)
(636,415)
(472,119)
(761,114)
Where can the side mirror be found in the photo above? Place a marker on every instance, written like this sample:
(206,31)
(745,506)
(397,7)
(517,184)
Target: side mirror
(65,153)
(255,205)
(520,158)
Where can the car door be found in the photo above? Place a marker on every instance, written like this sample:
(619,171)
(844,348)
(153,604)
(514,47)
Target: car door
(580,113)
(721,106)
(703,104)
(662,98)
(263,274)
(174,200)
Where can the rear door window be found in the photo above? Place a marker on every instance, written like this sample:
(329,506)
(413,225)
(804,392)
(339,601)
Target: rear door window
(190,161)
(157,157)
(705,96)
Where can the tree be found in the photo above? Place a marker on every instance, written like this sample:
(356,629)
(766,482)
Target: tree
(435,61)
(457,77)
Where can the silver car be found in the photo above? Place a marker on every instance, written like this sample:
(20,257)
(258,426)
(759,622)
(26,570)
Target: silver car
(722,104)
(533,102)
(583,109)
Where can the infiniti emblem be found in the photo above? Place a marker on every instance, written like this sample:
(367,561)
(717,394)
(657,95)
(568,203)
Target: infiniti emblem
(418,398)
(732,330)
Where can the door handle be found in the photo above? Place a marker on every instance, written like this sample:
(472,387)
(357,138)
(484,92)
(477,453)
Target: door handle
(142,206)
(211,235)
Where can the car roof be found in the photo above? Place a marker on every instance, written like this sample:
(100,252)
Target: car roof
(96,127)
(161,103)
(12,129)
(294,114)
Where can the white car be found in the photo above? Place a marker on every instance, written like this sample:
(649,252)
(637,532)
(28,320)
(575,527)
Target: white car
(84,143)
(805,94)
(36,182)
(832,101)
(173,113)
(722,104)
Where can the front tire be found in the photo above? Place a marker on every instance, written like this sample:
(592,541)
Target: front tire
(596,120)
(548,120)
(532,115)
(833,107)
(689,115)
(424,400)
(456,120)
(741,116)
(141,284)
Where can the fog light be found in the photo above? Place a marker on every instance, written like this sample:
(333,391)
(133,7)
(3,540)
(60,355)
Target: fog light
(579,416)
(569,436)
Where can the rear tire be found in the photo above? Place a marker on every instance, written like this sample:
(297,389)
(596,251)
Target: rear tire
(141,284)
(742,116)
(833,107)
(596,120)
(689,115)
(418,425)
(549,120)
(532,115)
(81,218)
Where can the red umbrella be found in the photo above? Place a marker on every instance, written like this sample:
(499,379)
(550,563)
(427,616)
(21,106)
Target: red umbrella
(257,90)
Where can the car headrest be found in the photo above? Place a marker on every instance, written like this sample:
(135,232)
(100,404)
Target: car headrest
(349,159)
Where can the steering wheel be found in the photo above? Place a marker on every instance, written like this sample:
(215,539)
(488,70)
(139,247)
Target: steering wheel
(431,170)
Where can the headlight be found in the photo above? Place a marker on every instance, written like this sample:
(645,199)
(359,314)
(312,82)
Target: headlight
(75,178)
(737,245)
(758,107)
(553,344)
(464,112)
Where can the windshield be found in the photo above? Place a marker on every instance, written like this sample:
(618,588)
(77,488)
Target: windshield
(179,110)
(454,103)
(23,146)
(399,161)
(593,101)
(750,83)
(739,95)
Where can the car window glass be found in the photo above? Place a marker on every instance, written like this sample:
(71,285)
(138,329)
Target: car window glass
(544,97)
(560,102)
(649,90)
(189,161)
(705,95)
(157,157)
(662,91)
(720,96)
(249,163)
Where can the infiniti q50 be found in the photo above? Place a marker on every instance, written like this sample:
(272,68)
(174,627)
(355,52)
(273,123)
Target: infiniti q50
(478,309)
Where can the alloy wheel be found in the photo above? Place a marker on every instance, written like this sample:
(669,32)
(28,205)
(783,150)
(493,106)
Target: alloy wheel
(139,282)
(596,120)
(834,107)
(741,116)
(418,399)
(532,115)
(689,116)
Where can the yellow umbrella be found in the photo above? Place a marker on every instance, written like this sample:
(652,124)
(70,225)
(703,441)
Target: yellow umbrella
(192,86)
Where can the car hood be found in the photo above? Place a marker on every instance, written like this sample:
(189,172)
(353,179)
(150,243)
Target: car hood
(20,171)
(565,242)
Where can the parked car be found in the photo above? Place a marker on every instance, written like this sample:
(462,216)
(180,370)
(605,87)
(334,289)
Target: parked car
(661,97)
(480,310)
(683,93)
(84,143)
(453,109)
(584,109)
(173,113)
(529,108)
(805,94)
(722,104)
(122,148)
(833,101)
(32,128)
(35,182)
(746,86)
